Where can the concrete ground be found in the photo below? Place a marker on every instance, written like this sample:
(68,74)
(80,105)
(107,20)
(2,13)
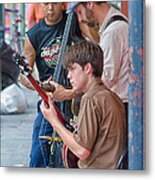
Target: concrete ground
(16,133)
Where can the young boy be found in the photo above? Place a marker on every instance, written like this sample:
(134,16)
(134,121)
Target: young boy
(100,137)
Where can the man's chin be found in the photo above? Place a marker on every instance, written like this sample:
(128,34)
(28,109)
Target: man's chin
(76,90)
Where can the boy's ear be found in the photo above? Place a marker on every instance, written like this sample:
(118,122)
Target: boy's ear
(88,68)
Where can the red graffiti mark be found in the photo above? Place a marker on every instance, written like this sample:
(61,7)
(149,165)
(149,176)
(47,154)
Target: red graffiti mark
(130,136)
(134,103)
(136,77)
(137,94)
(140,52)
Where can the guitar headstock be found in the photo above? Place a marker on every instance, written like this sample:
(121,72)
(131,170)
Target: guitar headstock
(22,64)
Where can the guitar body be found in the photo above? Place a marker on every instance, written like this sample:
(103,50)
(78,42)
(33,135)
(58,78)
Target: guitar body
(70,160)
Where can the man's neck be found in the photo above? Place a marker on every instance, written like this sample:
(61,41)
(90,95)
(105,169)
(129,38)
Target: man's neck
(89,82)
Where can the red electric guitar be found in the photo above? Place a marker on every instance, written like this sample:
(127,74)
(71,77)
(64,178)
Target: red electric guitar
(70,160)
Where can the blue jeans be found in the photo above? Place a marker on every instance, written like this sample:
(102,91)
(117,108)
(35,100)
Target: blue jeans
(40,150)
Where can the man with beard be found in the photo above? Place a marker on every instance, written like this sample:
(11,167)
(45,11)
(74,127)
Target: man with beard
(113,41)
(42,46)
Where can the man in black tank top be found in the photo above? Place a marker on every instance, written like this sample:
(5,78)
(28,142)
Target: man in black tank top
(42,46)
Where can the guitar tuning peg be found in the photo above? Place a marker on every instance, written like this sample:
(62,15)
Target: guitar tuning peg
(14,57)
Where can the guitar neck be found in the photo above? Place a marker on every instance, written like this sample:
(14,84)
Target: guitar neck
(45,98)
(64,41)
(38,89)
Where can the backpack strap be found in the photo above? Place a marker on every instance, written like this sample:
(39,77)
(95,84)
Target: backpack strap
(116,18)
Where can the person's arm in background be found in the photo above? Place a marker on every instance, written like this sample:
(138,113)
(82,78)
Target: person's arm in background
(29,54)
(30,16)
(34,13)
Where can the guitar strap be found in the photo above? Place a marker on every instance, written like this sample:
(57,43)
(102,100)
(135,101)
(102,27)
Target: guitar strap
(116,18)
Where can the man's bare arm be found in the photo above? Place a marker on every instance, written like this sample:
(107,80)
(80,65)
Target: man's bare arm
(30,55)
(61,93)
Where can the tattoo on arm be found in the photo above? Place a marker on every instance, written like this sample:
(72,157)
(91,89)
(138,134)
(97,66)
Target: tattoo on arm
(25,82)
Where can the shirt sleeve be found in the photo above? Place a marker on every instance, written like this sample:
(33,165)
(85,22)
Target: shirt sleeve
(87,124)
(112,46)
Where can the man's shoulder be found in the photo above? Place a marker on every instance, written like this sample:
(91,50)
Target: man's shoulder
(115,30)
(35,28)
(114,21)
(116,24)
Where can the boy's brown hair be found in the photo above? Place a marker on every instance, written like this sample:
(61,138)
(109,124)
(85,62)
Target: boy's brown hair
(84,52)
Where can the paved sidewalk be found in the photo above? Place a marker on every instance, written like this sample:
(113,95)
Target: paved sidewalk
(16,133)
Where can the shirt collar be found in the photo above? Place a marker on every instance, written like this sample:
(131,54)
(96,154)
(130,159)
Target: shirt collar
(95,83)
(94,87)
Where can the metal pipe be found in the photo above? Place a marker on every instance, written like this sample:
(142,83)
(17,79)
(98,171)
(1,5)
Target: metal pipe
(12,20)
(2,21)
(22,25)
(22,16)
(136,85)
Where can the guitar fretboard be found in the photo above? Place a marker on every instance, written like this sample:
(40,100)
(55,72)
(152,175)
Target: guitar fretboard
(57,72)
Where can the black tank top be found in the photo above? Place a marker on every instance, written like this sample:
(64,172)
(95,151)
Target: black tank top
(46,40)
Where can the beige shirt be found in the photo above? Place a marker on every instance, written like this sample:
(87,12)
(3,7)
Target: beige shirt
(101,127)
(114,42)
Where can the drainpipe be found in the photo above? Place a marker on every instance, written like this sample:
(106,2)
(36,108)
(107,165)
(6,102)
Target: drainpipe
(12,19)
(22,16)
(136,85)
(1,21)
(22,25)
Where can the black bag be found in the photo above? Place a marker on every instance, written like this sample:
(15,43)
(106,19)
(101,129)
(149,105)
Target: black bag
(9,70)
